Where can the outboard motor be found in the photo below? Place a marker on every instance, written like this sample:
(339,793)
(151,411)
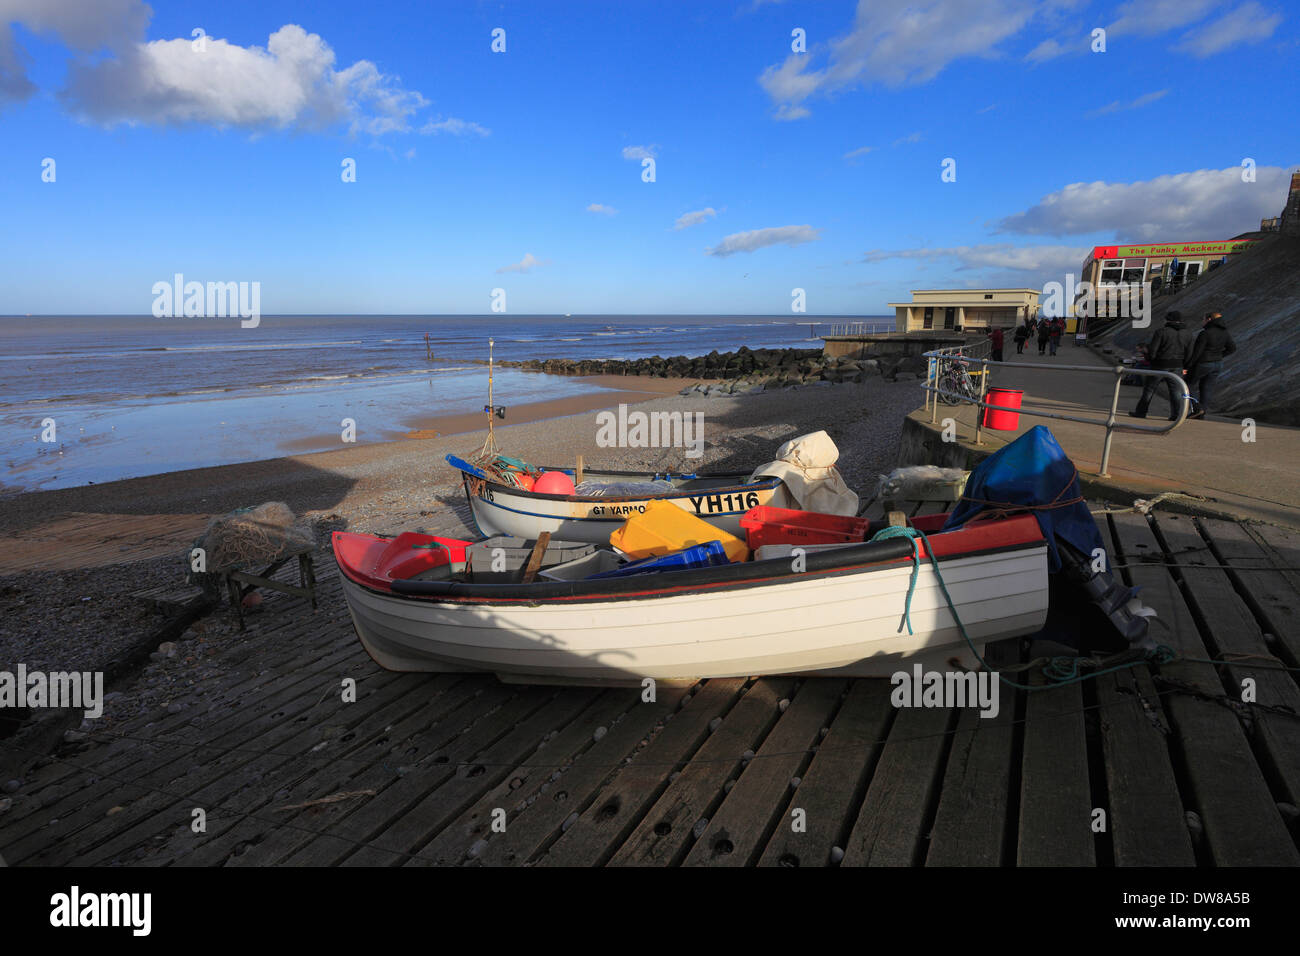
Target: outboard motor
(1116,600)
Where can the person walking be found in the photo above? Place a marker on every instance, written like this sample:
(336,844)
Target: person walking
(1022,334)
(1055,332)
(1212,345)
(1044,333)
(996,336)
(1169,350)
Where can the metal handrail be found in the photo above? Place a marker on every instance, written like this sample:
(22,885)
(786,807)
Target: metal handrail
(858,328)
(938,357)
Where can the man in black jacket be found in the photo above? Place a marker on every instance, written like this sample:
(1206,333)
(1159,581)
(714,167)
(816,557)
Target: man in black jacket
(1213,344)
(1170,349)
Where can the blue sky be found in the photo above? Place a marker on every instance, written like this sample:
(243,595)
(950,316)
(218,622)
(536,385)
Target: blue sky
(520,170)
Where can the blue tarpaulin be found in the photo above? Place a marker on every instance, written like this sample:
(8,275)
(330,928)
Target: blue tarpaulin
(1033,472)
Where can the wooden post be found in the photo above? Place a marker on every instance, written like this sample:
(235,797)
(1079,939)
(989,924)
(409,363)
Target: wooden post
(535,557)
(578,472)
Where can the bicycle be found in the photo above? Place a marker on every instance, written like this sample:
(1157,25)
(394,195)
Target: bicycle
(956,384)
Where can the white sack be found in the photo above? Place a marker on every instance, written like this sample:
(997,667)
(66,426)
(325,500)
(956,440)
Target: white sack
(806,467)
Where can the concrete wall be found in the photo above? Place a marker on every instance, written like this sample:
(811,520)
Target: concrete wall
(889,343)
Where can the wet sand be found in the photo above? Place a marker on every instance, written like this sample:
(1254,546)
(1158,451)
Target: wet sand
(614,391)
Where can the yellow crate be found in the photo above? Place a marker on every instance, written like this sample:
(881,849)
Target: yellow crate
(664,528)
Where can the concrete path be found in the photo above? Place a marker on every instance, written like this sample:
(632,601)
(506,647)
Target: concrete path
(1209,458)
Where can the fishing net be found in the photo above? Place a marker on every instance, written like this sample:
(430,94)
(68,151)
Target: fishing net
(250,538)
(507,471)
(922,483)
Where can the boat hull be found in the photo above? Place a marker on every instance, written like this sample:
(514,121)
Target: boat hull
(843,624)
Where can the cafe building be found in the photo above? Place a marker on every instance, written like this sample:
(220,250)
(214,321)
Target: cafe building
(965,309)
(1168,266)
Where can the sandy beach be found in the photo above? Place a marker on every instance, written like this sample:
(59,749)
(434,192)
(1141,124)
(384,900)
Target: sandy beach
(75,555)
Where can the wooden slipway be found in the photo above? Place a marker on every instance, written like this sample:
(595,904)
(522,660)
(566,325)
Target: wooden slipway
(413,772)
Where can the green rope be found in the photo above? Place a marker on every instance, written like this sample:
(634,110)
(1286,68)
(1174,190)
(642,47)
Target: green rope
(1058,670)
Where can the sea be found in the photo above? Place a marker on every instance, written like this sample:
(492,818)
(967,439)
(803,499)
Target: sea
(88,399)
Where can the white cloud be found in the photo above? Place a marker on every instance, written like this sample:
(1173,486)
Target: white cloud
(1249,23)
(1152,17)
(1201,205)
(84,25)
(860,151)
(454,126)
(785,113)
(897,42)
(527,263)
(640,152)
(694,218)
(1003,255)
(909,138)
(758,238)
(290,83)
(1050,49)
(1142,18)
(1117,106)
(602,209)
(117,77)
(1001,265)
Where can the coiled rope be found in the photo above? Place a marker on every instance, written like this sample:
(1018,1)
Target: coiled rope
(1057,670)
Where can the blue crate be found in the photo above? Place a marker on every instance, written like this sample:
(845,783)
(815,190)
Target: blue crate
(705,555)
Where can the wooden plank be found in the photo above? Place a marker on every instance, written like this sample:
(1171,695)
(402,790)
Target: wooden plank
(407,834)
(1055,800)
(1224,783)
(836,778)
(1147,822)
(540,792)
(1148,826)
(1236,634)
(449,717)
(253,812)
(672,825)
(372,817)
(112,749)
(753,808)
(150,770)
(1271,594)
(535,558)
(577,786)
(890,828)
(173,789)
(971,826)
(619,806)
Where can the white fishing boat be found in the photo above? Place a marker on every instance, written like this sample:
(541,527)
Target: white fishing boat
(416,607)
(501,508)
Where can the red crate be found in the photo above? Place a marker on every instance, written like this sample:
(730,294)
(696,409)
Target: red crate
(767,525)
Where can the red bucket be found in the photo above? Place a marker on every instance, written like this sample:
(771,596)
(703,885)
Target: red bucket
(1003,421)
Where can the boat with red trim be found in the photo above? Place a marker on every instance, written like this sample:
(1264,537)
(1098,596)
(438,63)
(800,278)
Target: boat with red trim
(419,604)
